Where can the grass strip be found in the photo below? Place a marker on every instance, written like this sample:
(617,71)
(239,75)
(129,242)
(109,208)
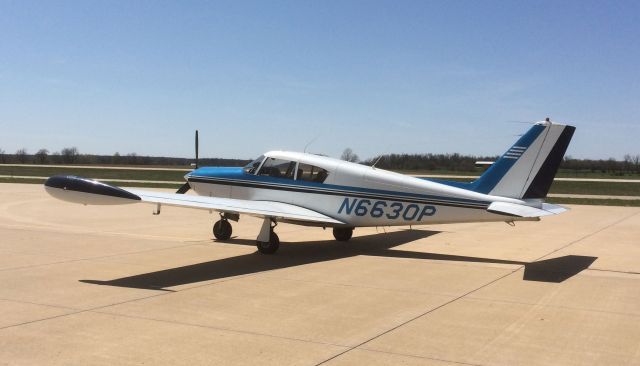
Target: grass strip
(593,201)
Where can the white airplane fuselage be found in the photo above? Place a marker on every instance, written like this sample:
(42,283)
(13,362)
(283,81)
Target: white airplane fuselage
(355,194)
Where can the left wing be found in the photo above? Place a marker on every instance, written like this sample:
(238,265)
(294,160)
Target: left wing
(91,192)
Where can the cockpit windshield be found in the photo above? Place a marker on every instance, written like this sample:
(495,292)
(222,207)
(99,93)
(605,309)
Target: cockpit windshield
(253,166)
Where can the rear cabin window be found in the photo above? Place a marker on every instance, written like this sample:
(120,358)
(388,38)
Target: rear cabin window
(278,168)
(311,173)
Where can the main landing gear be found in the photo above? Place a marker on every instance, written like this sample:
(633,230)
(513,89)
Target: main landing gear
(267,242)
(271,246)
(342,233)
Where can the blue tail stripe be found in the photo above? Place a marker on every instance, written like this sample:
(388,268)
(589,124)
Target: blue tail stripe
(497,170)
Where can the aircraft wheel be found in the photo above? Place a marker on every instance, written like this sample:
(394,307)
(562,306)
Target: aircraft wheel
(342,233)
(271,246)
(222,230)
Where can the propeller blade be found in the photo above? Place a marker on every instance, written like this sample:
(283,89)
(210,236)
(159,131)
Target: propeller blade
(184,188)
(197,149)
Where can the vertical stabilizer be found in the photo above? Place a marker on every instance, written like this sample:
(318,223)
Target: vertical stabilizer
(527,169)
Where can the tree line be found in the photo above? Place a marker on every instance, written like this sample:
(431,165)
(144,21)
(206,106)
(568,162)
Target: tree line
(71,155)
(406,162)
(466,163)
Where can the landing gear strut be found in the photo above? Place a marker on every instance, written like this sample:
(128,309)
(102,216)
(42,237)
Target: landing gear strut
(342,233)
(222,229)
(268,241)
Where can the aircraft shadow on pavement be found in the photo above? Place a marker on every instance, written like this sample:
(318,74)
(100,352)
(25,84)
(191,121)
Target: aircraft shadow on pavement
(297,254)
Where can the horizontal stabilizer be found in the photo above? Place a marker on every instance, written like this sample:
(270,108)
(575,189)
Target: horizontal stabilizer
(517,210)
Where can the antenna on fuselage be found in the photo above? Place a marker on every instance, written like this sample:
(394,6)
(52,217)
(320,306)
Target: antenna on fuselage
(377,160)
(310,142)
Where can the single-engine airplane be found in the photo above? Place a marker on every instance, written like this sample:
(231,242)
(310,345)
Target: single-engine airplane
(313,190)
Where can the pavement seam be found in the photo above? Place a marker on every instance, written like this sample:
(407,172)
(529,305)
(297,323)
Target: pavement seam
(434,293)
(474,290)
(553,306)
(39,304)
(420,357)
(612,271)
(220,328)
(92,258)
(75,312)
(96,310)
(588,235)
(420,316)
(65,229)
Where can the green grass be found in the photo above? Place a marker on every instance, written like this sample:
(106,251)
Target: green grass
(599,188)
(597,202)
(561,174)
(95,173)
(14,180)
(121,184)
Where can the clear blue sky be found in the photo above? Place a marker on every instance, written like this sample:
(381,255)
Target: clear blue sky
(376,76)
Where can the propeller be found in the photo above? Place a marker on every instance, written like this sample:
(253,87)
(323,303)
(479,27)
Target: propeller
(197,149)
(185,187)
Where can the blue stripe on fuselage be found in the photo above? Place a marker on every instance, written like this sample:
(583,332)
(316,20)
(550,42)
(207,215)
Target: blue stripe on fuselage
(232,176)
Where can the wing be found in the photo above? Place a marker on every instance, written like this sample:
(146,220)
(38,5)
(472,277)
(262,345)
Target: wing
(91,192)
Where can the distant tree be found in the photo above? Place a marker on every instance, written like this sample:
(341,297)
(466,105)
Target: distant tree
(116,158)
(54,157)
(3,157)
(349,155)
(42,156)
(22,156)
(611,164)
(69,155)
(132,158)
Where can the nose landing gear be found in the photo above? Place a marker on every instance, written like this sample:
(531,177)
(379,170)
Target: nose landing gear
(222,229)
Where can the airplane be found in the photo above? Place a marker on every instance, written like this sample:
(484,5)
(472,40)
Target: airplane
(314,190)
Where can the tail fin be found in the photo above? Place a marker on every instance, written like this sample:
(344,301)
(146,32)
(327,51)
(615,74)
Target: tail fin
(527,169)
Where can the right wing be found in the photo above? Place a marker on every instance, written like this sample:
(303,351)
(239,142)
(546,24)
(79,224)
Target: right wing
(91,192)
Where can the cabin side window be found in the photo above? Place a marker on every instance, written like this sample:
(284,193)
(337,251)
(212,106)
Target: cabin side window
(253,166)
(278,168)
(311,173)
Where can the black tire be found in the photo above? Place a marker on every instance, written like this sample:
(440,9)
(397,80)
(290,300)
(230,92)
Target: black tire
(271,246)
(342,233)
(222,230)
